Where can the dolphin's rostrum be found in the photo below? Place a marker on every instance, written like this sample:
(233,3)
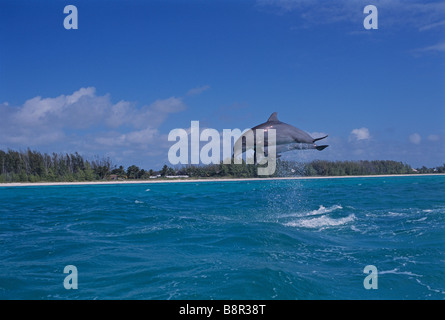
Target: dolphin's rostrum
(288,137)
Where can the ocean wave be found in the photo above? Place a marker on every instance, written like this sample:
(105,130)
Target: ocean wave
(397,271)
(323,210)
(321,222)
(395,214)
(320,210)
(434,210)
(417,220)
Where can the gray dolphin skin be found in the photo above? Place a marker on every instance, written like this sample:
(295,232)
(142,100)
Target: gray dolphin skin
(287,136)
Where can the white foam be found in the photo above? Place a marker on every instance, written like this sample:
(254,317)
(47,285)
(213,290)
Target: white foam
(137,201)
(395,214)
(418,220)
(323,210)
(147,189)
(321,222)
(429,288)
(396,271)
(320,210)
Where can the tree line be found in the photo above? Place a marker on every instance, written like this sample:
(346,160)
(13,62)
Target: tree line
(313,168)
(34,166)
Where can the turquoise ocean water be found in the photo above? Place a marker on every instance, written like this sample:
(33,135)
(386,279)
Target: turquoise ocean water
(277,239)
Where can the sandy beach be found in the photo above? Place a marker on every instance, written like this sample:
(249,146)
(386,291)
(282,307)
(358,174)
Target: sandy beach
(163,180)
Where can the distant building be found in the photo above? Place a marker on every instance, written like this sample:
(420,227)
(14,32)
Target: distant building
(113,177)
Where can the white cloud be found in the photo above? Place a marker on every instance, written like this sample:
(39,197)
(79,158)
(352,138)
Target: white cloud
(415,138)
(398,13)
(79,110)
(85,121)
(169,105)
(139,137)
(155,114)
(432,25)
(359,134)
(197,90)
(316,12)
(433,137)
(436,48)
(119,114)
(84,109)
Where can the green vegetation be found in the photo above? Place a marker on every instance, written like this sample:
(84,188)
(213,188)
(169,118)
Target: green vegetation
(33,166)
(314,168)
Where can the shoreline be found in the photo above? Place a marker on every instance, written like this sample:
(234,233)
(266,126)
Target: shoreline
(151,181)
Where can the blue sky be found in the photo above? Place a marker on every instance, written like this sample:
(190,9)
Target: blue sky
(134,70)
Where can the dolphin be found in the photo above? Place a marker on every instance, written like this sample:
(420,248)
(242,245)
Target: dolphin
(288,137)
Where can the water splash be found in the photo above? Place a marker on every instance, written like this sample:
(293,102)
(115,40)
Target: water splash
(321,222)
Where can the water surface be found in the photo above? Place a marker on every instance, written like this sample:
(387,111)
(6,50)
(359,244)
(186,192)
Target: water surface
(278,239)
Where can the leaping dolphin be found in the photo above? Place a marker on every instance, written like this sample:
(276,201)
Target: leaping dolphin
(287,137)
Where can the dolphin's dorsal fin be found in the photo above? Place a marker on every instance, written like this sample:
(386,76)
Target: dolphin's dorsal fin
(273,117)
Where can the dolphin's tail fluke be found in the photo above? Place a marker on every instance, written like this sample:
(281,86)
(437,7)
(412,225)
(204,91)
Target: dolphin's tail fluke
(320,138)
(319,148)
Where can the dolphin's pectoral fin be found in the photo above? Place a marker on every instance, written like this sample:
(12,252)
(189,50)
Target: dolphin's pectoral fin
(319,148)
(320,138)
(273,117)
